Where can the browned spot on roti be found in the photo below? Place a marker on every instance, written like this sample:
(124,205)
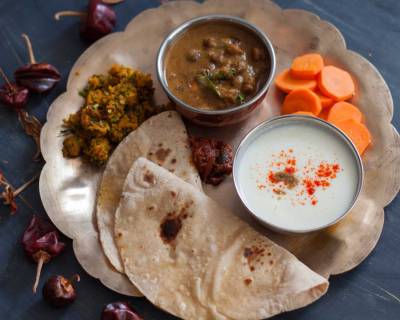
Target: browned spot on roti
(162,154)
(247,281)
(247,252)
(149,177)
(169,115)
(170,228)
(150,208)
(173,160)
(150,154)
(160,144)
(172,224)
(271,262)
(253,255)
(173,194)
(172,170)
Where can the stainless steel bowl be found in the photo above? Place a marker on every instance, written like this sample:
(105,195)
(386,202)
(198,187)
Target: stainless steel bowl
(215,118)
(263,128)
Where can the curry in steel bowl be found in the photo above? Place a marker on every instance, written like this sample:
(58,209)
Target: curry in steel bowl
(215,66)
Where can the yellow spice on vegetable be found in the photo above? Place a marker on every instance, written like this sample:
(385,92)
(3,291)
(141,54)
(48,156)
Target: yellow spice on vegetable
(115,104)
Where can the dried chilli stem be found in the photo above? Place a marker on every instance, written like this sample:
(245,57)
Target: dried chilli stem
(75,278)
(26,184)
(28,44)
(28,205)
(32,127)
(38,271)
(112,1)
(69,13)
(43,258)
(5,78)
(8,195)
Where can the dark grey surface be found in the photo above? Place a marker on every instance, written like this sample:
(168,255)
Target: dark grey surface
(371,291)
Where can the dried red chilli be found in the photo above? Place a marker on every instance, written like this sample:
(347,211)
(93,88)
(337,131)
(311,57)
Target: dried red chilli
(41,242)
(37,77)
(59,291)
(16,97)
(112,1)
(98,21)
(13,95)
(119,311)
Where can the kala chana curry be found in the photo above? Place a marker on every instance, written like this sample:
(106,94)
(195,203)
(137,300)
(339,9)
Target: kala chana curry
(216,66)
(115,104)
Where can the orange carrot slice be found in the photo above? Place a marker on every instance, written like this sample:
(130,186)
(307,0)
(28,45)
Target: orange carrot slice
(342,111)
(326,102)
(285,82)
(357,133)
(324,114)
(336,83)
(307,66)
(301,100)
(305,113)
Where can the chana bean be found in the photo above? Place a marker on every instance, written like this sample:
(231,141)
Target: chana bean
(234,49)
(237,81)
(193,55)
(217,57)
(248,87)
(210,43)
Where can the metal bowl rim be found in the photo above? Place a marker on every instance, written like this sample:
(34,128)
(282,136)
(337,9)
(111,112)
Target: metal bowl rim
(338,132)
(169,39)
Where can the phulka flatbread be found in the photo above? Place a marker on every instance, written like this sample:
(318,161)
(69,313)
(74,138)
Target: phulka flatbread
(196,260)
(162,139)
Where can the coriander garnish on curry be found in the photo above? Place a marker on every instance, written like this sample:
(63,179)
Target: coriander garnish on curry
(216,66)
(115,105)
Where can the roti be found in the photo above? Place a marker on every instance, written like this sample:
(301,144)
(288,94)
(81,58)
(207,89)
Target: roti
(162,139)
(196,260)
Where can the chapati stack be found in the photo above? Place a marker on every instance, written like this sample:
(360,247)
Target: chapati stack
(185,253)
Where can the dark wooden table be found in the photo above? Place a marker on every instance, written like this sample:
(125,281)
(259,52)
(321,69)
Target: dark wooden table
(371,291)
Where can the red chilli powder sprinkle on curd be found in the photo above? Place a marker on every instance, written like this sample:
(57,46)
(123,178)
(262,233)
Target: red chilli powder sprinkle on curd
(282,177)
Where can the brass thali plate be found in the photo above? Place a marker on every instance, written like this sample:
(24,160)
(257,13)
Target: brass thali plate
(68,187)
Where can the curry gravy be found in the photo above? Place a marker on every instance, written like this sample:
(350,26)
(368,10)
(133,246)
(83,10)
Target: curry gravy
(216,65)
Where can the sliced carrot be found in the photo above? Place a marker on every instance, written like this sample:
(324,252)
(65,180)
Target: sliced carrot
(342,111)
(301,100)
(336,83)
(357,133)
(285,82)
(307,66)
(324,114)
(305,113)
(326,102)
